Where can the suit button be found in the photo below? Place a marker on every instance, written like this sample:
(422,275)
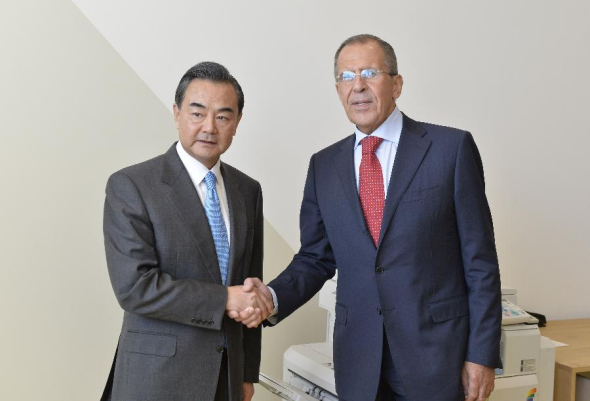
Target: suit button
(379,312)
(379,270)
(193,320)
(198,321)
(220,349)
(210,322)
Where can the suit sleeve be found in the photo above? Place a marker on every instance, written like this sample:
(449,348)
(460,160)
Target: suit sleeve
(253,337)
(140,285)
(480,261)
(314,263)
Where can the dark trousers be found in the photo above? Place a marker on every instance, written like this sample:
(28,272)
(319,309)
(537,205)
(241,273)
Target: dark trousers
(222,392)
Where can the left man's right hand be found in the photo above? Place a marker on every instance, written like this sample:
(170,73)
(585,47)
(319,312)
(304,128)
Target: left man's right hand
(252,317)
(249,304)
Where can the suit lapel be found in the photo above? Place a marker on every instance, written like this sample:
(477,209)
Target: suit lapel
(344,164)
(410,152)
(185,199)
(237,218)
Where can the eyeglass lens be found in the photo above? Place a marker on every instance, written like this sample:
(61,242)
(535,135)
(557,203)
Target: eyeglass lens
(348,76)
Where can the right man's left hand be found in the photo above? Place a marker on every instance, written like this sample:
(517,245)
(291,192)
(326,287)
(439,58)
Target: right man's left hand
(253,317)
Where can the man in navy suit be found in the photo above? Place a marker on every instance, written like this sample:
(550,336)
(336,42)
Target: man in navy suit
(399,208)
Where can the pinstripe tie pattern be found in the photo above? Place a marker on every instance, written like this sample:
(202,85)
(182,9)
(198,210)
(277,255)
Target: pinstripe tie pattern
(218,229)
(371,191)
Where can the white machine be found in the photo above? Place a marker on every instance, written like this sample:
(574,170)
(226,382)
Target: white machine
(528,358)
(283,390)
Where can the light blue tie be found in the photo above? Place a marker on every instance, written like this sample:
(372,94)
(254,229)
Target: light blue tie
(213,211)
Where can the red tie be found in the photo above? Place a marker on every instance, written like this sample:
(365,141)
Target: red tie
(371,189)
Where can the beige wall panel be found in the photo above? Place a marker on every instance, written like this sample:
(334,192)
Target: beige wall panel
(72,113)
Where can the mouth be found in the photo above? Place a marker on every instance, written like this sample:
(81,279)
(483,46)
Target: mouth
(205,142)
(361,104)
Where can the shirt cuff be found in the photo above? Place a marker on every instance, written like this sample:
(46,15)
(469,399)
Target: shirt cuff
(272,319)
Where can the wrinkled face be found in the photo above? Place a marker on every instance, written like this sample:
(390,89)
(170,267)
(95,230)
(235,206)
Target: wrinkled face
(367,103)
(207,119)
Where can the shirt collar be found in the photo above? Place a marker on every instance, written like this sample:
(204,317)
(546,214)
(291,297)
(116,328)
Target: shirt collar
(196,170)
(390,130)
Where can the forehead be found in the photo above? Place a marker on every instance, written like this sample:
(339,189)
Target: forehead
(211,94)
(361,55)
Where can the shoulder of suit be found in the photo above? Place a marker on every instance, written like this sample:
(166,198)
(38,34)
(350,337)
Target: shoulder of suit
(240,176)
(337,146)
(143,170)
(438,132)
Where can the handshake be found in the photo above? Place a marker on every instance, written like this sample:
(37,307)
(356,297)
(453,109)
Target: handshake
(250,303)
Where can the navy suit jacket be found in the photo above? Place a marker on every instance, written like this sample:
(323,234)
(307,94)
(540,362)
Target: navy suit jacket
(432,283)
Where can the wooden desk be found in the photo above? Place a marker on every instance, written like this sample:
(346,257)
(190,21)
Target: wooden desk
(570,360)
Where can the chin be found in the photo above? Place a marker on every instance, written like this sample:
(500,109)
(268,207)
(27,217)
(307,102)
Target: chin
(363,123)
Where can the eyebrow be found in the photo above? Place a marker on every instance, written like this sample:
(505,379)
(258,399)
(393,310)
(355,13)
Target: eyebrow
(225,109)
(201,106)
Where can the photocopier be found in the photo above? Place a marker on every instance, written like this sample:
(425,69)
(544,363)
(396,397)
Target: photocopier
(528,359)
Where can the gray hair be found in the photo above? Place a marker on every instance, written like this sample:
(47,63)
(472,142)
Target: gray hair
(390,59)
(210,71)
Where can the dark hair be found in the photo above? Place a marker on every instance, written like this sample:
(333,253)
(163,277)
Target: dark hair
(209,71)
(390,59)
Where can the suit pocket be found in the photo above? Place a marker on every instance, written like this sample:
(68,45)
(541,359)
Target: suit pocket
(422,194)
(449,308)
(341,314)
(150,343)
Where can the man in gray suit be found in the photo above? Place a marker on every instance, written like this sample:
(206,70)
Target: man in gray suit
(180,231)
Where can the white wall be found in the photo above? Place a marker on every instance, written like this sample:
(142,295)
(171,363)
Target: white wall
(514,73)
(82,97)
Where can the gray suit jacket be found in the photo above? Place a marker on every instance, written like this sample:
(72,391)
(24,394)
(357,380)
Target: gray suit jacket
(164,271)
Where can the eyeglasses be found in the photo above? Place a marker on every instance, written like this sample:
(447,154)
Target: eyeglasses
(368,74)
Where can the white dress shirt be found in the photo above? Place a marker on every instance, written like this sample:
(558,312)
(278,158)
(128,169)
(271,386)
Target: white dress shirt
(390,131)
(197,171)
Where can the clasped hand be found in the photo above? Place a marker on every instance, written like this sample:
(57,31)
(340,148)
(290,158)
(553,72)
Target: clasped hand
(250,303)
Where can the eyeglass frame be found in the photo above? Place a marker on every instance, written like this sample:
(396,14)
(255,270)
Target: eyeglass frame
(339,77)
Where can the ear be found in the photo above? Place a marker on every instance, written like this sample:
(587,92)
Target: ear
(238,123)
(176,114)
(398,82)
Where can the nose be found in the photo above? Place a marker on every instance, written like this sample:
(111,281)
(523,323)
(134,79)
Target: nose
(359,84)
(209,124)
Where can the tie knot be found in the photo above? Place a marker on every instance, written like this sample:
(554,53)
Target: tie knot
(371,143)
(210,180)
